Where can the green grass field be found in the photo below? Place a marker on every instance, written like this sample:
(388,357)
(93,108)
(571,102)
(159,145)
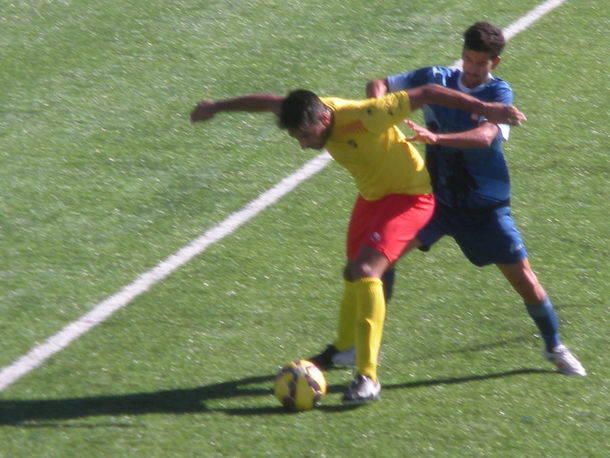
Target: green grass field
(102,176)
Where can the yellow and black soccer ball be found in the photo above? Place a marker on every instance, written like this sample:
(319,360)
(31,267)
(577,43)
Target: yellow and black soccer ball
(299,385)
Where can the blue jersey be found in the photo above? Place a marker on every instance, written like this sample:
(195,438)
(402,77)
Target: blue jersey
(470,179)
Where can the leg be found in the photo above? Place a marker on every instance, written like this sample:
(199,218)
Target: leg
(524,281)
(367,270)
(388,283)
(388,276)
(492,238)
(341,353)
(522,278)
(347,314)
(539,307)
(392,226)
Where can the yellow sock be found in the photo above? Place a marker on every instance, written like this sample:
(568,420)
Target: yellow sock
(347,318)
(369,324)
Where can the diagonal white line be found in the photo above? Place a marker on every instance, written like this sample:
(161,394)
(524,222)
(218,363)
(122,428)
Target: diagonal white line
(521,24)
(105,309)
(40,353)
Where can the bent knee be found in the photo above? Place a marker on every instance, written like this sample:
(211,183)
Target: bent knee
(363,270)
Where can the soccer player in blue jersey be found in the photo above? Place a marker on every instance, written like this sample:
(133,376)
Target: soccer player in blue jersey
(471,182)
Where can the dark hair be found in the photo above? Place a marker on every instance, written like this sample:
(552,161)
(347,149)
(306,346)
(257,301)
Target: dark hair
(484,37)
(301,108)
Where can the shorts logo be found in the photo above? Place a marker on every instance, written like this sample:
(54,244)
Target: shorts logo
(516,248)
(375,237)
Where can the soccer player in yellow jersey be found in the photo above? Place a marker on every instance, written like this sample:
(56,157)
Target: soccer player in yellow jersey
(395,197)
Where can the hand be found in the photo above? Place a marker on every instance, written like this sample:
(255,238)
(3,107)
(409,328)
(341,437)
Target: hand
(422,134)
(203,111)
(499,113)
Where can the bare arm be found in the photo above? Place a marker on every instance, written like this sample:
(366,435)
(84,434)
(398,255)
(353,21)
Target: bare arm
(377,88)
(479,137)
(206,109)
(434,94)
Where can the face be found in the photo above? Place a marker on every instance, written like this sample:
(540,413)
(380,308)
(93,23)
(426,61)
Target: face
(313,136)
(476,67)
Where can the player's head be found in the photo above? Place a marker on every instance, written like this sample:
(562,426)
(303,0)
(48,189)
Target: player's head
(306,118)
(483,44)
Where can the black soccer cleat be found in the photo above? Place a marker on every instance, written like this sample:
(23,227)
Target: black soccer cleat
(324,360)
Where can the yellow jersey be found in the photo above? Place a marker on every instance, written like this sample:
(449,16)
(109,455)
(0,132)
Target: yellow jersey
(366,141)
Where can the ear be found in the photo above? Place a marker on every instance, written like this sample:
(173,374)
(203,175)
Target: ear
(495,62)
(326,118)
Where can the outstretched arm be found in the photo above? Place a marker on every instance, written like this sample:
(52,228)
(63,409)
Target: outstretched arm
(435,94)
(206,109)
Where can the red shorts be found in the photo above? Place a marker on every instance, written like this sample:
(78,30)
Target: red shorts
(387,224)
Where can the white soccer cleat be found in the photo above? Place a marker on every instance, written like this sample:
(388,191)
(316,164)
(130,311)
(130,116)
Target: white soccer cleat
(361,390)
(565,361)
(345,358)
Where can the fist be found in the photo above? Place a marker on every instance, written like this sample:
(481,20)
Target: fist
(504,114)
(515,117)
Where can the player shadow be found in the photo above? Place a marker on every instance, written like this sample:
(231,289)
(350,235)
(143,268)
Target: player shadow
(434,382)
(179,401)
(38,413)
(50,412)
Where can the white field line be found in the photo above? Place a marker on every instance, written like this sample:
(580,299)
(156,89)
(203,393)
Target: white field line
(40,353)
(105,309)
(521,24)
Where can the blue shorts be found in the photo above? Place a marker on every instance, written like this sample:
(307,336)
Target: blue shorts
(484,238)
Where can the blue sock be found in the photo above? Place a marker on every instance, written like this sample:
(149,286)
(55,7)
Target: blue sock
(546,320)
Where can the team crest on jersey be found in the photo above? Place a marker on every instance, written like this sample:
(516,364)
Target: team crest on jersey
(376,237)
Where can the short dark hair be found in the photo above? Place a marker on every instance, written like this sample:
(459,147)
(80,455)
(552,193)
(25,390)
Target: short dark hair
(484,37)
(300,108)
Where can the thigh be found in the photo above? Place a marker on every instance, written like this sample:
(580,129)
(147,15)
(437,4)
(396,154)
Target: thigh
(490,238)
(438,226)
(358,227)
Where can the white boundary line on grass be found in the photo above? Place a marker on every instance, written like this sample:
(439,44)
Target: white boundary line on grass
(105,309)
(521,24)
(40,353)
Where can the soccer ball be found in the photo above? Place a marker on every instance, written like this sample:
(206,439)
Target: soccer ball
(299,385)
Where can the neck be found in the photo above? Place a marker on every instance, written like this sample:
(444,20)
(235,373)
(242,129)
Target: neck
(472,85)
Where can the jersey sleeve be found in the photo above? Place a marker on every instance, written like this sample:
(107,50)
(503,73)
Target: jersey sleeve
(502,94)
(416,78)
(379,114)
